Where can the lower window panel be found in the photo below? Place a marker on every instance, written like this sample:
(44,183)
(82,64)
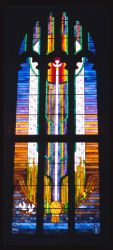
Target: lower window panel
(86,166)
(25,187)
(86,196)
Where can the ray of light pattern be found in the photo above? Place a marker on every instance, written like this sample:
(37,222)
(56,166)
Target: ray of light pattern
(56,188)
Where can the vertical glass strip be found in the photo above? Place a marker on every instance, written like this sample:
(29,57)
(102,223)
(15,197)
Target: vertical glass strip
(91,45)
(56,188)
(56,111)
(27,107)
(50,39)
(23,46)
(86,113)
(78,37)
(25,187)
(37,38)
(64,33)
(86,165)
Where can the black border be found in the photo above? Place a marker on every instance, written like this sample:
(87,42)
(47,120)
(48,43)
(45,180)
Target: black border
(100,17)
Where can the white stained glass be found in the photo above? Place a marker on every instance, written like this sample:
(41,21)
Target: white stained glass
(36,47)
(33,98)
(32,152)
(79,104)
(78,46)
(33,124)
(79,154)
(79,72)
(80,124)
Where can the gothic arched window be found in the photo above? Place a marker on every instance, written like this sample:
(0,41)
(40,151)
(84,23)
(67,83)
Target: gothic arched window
(56,159)
(56,150)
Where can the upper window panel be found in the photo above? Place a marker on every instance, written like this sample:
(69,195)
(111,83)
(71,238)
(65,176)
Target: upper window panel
(56,112)
(50,38)
(64,33)
(27,99)
(23,46)
(86,115)
(56,85)
(78,37)
(37,38)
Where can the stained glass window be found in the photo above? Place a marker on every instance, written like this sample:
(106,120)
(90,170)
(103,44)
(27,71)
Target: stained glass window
(47,155)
